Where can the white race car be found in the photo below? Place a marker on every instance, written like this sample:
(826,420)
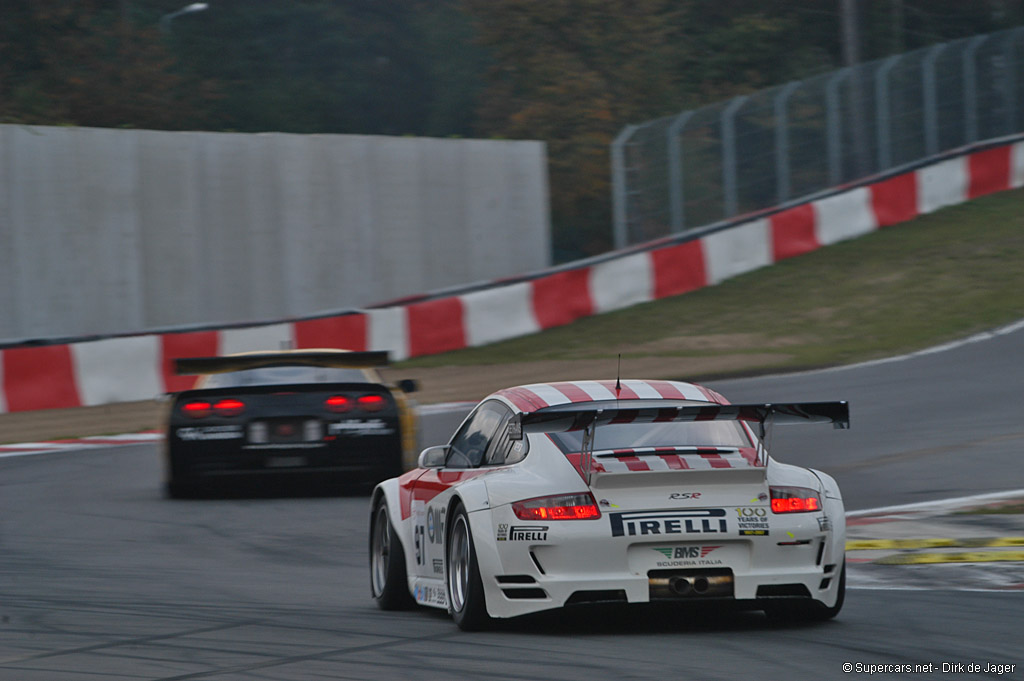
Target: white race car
(611,491)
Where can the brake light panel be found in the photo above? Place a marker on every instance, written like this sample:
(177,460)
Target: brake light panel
(795,500)
(338,404)
(197,409)
(371,403)
(229,406)
(342,404)
(558,507)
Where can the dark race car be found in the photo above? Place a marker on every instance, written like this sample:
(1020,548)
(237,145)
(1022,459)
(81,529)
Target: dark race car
(325,415)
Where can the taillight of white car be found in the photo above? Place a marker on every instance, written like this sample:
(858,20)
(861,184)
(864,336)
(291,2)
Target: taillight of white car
(558,507)
(795,500)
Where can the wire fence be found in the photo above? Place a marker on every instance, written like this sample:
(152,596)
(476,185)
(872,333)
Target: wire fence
(777,145)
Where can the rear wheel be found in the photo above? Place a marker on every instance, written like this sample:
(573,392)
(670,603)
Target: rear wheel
(181,490)
(388,583)
(462,573)
(178,485)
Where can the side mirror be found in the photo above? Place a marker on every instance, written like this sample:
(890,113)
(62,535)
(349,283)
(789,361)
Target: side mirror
(407,385)
(433,457)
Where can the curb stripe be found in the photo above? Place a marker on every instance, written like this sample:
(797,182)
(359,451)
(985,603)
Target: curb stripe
(792,232)
(933,543)
(966,557)
(943,505)
(895,200)
(40,378)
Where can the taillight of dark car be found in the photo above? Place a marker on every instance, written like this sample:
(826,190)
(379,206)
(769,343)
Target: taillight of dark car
(197,409)
(372,402)
(338,403)
(229,407)
(201,409)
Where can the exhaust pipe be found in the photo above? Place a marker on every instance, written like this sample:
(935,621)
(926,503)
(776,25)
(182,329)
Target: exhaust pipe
(676,584)
(681,585)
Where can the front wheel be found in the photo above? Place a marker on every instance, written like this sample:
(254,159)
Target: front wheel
(462,575)
(388,583)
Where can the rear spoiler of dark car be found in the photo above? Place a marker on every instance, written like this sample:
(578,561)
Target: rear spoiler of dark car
(587,415)
(334,360)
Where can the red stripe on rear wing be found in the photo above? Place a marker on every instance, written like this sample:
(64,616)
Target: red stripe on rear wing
(581,416)
(335,360)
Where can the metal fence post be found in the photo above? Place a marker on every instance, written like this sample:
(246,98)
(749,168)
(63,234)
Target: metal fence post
(922,122)
(883,112)
(971,88)
(834,125)
(620,189)
(676,193)
(931,107)
(729,185)
(1011,80)
(782,172)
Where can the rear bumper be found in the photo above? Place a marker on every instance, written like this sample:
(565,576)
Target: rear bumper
(751,589)
(208,465)
(580,562)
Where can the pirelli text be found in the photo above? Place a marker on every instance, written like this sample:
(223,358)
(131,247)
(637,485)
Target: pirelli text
(987,668)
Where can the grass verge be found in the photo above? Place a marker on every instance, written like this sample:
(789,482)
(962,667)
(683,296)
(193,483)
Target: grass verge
(938,278)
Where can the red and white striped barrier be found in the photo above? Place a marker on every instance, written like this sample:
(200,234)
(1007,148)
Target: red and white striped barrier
(139,367)
(96,442)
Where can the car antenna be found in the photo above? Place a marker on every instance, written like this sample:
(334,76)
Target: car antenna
(618,374)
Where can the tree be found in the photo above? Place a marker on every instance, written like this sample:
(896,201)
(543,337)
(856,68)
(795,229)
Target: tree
(574,72)
(80,63)
(327,66)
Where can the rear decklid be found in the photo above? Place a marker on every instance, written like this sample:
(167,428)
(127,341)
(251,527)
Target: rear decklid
(669,463)
(690,491)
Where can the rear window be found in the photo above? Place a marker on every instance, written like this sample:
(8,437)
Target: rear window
(674,434)
(284,374)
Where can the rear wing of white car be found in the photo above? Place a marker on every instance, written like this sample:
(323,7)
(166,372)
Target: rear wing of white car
(586,415)
(256,360)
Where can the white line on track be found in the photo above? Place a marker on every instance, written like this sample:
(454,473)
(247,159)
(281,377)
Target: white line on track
(945,347)
(940,504)
(92,442)
(444,407)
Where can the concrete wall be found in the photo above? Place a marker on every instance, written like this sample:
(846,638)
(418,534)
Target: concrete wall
(118,231)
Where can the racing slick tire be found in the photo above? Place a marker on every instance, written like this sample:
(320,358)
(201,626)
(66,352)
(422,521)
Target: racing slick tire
(812,611)
(175,489)
(177,483)
(388,582)
(466,599)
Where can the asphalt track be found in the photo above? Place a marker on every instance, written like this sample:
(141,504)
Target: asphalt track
(102,578)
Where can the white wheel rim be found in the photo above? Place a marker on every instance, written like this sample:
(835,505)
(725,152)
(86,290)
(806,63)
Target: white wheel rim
(381,551)
(458,564)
